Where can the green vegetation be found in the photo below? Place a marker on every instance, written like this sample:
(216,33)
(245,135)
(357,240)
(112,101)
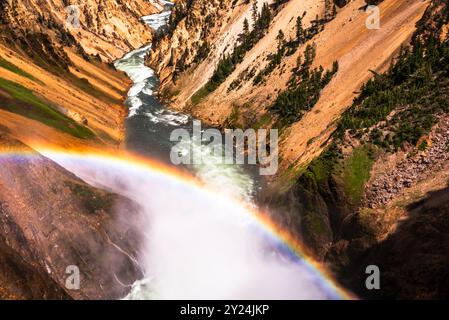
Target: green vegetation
(263,121)
(82,83)
(288,178)
(422,146)
(288,48)
(242,78)
(200,95)
(314,223)
(182,64)
(304,89)
(416,88)
(397,107)
(320,169)
(356,172)
(228,62)
(13,68)
(25,103)
(232,121)
(350,172)
(284,48)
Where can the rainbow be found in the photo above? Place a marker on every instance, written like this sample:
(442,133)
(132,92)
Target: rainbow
(261,219)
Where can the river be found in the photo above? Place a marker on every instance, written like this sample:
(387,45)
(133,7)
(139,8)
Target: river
(150,124)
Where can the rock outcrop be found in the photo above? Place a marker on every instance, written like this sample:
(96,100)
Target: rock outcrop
(59,90)
(51,221)
(340,36)
(61,52)
(107,29)
(413,168)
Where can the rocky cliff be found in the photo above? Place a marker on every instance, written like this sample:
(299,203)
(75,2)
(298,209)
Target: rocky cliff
(53,61)
(108,29)
(51,220)
(197,30)
(263,69)
(59,90)
(375,196)
(363,119)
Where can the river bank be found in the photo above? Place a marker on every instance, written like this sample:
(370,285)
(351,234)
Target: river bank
(208,239)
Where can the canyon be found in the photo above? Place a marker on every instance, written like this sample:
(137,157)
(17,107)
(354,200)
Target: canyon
(59,90)
(347,192)
(361,114)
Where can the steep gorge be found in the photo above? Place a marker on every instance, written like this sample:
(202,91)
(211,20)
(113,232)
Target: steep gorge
(359,186)
(375,196)
(344,38)
(366,165)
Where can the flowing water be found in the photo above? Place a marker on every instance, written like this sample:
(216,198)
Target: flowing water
(200,242)
(150,124)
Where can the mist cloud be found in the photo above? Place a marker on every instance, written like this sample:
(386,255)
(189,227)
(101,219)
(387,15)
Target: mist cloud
(199,245)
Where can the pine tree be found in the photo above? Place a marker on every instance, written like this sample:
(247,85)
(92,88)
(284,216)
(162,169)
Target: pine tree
(281,40)
(327,9)
(246,41)
(309,55)
(299,30)
(335,67)
(245,27)
(265,17)
(255,14)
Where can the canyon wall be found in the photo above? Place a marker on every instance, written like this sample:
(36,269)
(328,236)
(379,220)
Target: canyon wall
(59,90)
(363,146)
(59,54)
(98,27)
(51,220)
(344,38)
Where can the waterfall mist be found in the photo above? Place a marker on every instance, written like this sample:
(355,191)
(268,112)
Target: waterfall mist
(198,243)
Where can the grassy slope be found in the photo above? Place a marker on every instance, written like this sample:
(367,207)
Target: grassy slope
(13,68)
(24,102)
